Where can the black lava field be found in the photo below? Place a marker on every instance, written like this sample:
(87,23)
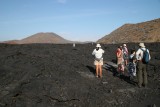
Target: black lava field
(60,75)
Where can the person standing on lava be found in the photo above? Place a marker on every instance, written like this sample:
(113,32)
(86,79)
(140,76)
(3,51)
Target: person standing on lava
(120,60)
(98,62)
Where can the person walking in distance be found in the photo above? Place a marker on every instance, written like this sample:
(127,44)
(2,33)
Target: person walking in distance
(141,57)
(98,62)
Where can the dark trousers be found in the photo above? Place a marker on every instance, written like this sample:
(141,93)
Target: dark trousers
(141,74)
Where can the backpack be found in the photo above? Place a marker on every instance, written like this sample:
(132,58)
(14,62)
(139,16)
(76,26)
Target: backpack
(145,58)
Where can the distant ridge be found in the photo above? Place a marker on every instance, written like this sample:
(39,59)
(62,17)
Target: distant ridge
(141,32)
(44,38)
(11,42)
(41,38)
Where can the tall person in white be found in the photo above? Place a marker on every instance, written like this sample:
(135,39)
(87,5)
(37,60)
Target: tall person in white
(141,57)
(98,62)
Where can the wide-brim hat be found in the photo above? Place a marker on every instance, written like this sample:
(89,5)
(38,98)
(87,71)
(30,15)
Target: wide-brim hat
(142,45)
(98,45)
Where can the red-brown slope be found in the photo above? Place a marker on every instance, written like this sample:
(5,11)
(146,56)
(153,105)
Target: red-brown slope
(141,32)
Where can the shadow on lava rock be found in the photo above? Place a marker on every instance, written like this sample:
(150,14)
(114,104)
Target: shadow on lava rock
(112,67)
(91,69)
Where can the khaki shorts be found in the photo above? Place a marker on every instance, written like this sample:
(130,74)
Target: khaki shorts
(120,61)
(98,62)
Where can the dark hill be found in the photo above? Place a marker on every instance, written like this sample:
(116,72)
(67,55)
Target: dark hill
(141,32)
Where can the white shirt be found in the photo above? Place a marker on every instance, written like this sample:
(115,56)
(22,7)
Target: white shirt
(98,54)
(139,54)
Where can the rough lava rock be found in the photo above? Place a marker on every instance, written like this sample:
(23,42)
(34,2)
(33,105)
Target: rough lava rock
(47,75)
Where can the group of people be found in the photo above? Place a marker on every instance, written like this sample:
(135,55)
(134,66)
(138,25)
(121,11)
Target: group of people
(133,62)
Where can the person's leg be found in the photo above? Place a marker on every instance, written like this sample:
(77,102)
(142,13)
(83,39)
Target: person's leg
(119,68)
(122,69)
(135,70)
(139,71)
(100,71)
(145,75)
(126,62)
(130,71)
(124,59)
(96,70)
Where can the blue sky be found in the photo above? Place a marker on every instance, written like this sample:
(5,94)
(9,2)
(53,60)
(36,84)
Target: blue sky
(80,20)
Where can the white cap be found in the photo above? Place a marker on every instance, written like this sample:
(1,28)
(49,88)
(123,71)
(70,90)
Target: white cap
(124,45)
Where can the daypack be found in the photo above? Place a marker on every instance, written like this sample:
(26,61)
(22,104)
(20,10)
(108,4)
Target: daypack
(145,58)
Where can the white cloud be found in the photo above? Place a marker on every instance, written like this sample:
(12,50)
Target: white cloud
(62,1)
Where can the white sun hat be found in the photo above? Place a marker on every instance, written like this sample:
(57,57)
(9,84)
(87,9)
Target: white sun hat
(98,45)
(124,45)
(142,45)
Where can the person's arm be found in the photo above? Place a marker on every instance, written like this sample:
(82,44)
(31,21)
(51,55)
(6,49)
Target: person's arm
(138,54)
(127,50)
(103,51)
(118,54)
(133,59)
(93,53)
(149,54)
